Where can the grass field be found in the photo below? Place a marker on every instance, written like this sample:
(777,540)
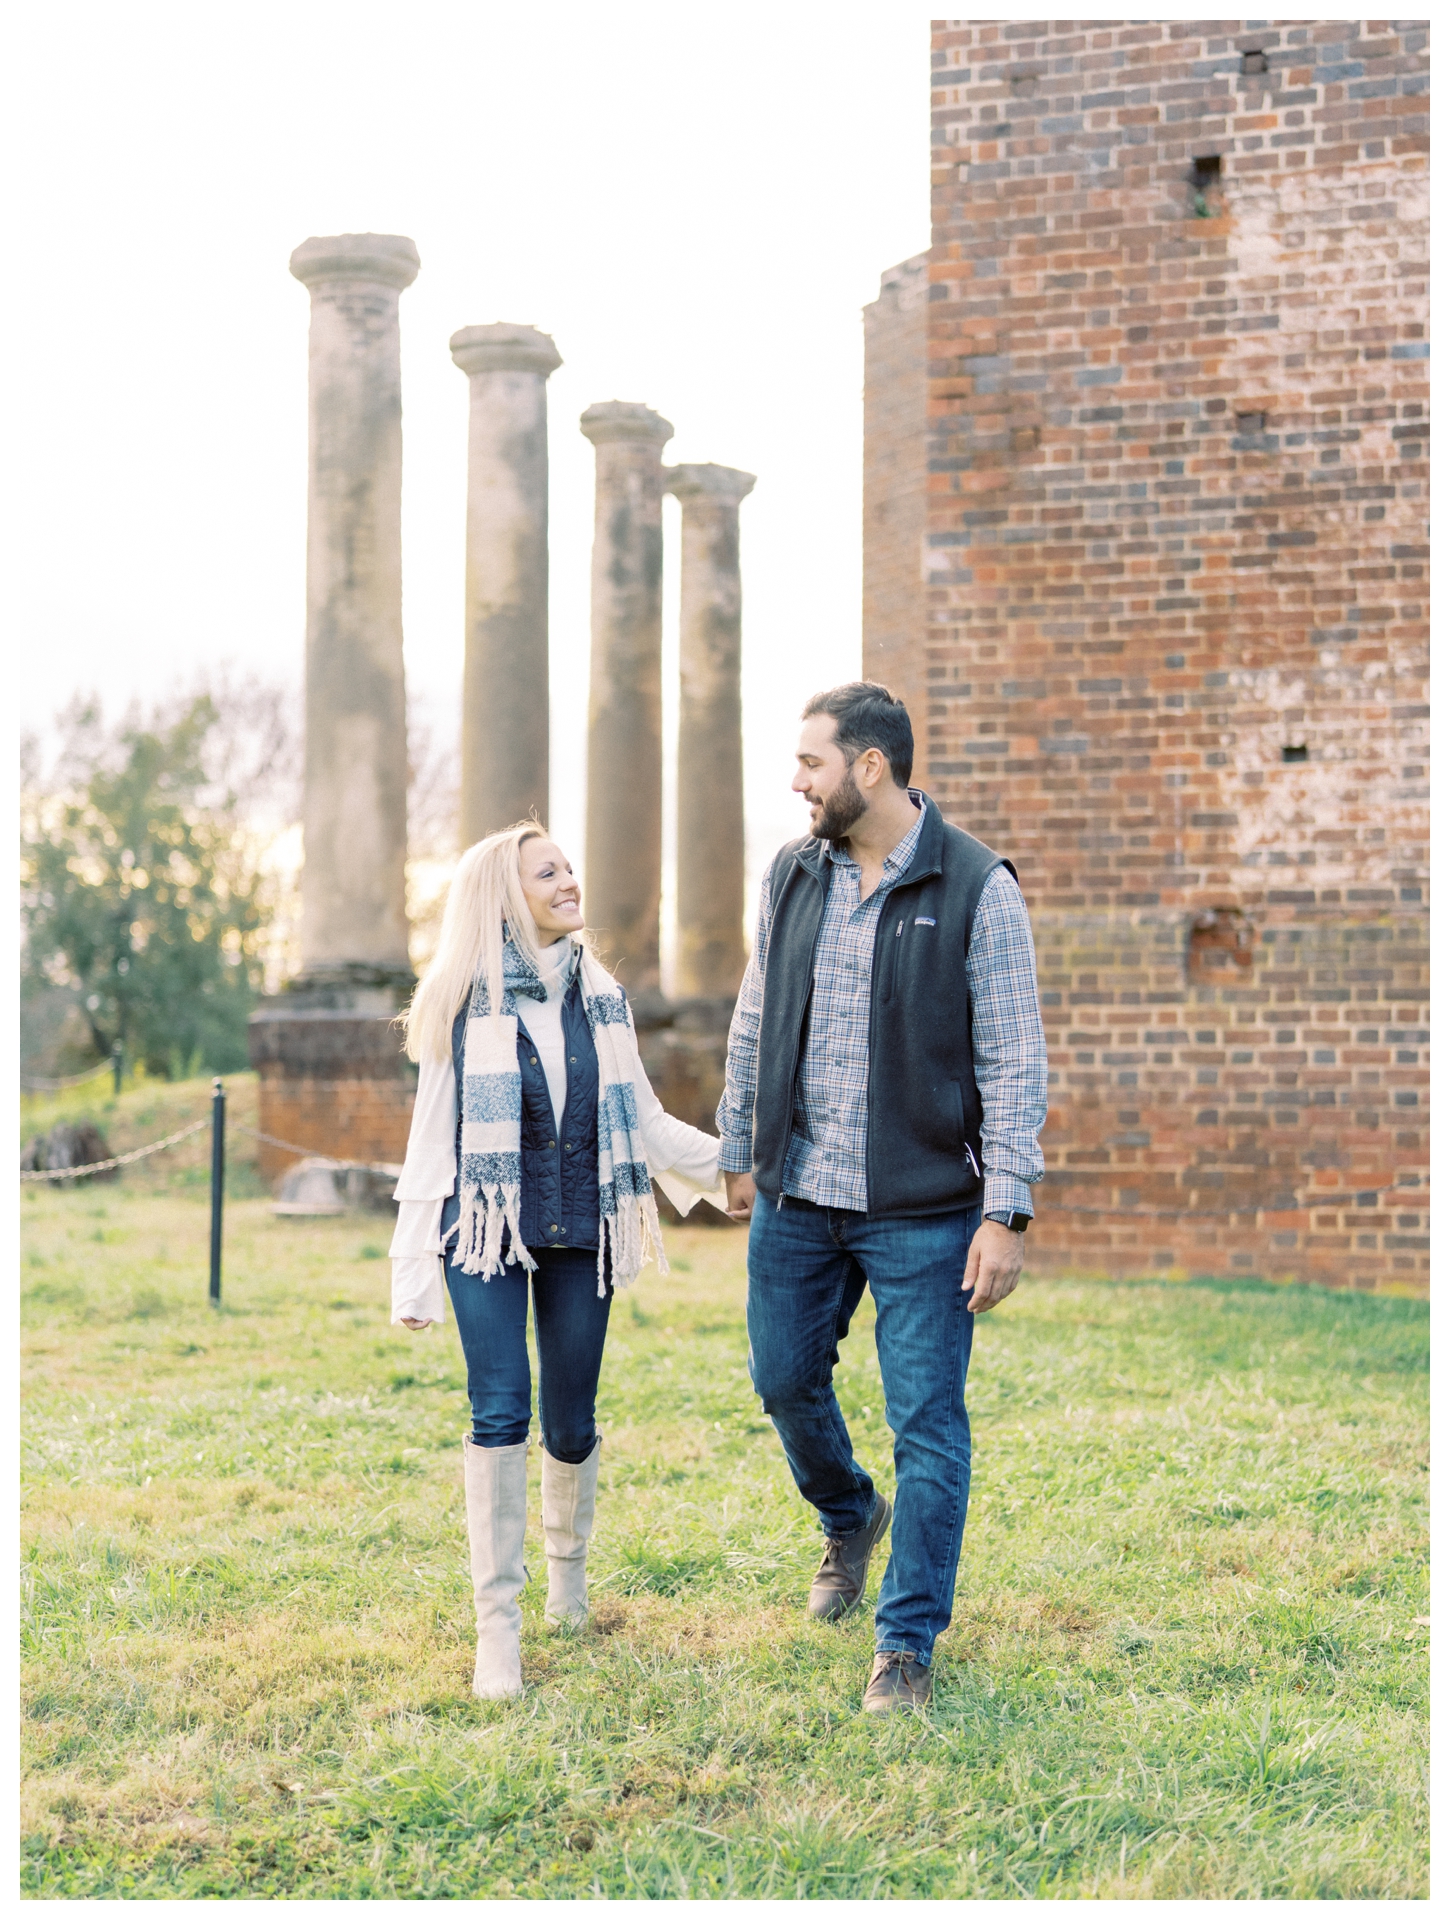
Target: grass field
(1189,1656)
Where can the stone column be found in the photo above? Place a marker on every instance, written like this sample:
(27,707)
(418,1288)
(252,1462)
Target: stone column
(506,593)
(354,926)
(711,803)
(622,840)
(331,1076)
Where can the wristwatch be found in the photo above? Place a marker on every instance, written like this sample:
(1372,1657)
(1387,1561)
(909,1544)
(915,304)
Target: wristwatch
(1014,1222)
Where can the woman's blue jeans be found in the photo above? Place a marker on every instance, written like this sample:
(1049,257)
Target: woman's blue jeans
(570,1322)
(809,1267)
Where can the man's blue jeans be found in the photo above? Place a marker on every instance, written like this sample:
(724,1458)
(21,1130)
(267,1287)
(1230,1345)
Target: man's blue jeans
(809,1267)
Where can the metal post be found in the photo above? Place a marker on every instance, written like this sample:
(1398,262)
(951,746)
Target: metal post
(218,1176)
(118,1064)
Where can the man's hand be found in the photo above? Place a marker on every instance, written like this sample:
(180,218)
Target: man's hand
(994,1262)
(739,1195)
(417,1326)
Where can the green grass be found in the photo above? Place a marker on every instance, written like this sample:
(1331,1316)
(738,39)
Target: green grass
(1188,1658)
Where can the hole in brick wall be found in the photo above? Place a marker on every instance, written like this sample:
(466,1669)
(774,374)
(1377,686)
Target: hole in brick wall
(1294,753)
(1254,61)
(1251,422)
(1220,946)
(1206,181)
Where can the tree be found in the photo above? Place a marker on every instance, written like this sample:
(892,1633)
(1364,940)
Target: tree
(144,894)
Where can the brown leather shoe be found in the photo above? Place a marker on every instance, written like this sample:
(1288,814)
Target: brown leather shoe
(898,1682)
(841,1577)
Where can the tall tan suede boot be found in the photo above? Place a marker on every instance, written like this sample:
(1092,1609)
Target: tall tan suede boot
(568,1523)
(495,1499)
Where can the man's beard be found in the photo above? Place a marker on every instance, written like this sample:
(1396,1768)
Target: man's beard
(841,810)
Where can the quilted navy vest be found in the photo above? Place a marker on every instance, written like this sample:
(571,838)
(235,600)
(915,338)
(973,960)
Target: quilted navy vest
(560,1205)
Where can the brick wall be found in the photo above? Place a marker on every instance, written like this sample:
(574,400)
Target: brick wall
(1175,638)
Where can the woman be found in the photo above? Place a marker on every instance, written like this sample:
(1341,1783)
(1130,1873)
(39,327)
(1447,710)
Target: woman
(535,1134)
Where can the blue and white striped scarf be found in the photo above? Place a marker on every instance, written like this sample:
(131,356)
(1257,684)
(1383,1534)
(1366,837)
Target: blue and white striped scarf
(490,1173)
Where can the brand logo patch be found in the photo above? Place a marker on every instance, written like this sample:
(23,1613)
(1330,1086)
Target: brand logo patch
(923,922)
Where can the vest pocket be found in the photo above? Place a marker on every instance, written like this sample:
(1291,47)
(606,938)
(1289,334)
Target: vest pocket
(893,950)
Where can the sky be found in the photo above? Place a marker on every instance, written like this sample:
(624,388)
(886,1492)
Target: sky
(695,201)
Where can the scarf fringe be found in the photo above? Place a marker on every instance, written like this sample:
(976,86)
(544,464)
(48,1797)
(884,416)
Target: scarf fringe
(483,1213)
(630,1238)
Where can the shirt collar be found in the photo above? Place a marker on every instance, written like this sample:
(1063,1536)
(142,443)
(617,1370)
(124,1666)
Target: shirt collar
(900,856)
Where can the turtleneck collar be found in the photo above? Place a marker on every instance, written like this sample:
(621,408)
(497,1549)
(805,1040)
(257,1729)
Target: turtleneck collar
(555,964)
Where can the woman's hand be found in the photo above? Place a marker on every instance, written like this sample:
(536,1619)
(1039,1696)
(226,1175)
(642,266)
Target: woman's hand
(417,1326)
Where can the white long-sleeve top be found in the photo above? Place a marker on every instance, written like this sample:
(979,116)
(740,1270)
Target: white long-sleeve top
(684,1161)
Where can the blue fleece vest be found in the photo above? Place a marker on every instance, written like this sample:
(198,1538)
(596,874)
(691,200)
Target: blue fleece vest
(560,1200)
(924,1108)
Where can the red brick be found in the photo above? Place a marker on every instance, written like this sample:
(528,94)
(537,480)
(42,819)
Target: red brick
(1091,512)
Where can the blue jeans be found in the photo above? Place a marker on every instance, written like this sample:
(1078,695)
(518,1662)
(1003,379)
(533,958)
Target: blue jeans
(809,1267)
(570,1322)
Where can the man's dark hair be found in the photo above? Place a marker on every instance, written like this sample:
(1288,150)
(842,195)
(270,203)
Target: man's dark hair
(868,715)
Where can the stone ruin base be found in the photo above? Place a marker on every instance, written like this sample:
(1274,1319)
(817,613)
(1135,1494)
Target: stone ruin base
(332,1077)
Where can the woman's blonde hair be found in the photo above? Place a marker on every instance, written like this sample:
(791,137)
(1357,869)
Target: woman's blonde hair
(485,895)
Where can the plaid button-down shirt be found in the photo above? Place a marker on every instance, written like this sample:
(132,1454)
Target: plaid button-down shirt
(826,1160)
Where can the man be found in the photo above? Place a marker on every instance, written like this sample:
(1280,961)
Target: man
(885,1086)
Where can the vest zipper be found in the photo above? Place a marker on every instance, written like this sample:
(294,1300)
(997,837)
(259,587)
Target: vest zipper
(889,989)
(890,992)
(795,1059)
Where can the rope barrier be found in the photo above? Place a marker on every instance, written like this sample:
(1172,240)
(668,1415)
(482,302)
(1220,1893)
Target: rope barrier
(1298,1205)
(34,1085)
(120,1159)
(311,1153)
(185,1133)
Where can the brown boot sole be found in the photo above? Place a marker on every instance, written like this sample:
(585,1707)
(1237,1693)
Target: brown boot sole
(904,1702)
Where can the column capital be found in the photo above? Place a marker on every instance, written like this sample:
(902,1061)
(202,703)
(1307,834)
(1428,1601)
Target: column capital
(704,481)
(386,259)
(610,420)
(504,347)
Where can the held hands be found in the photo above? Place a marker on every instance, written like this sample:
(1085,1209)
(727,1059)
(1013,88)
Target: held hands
(994,1263)
(740,1198)
(739,1195)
